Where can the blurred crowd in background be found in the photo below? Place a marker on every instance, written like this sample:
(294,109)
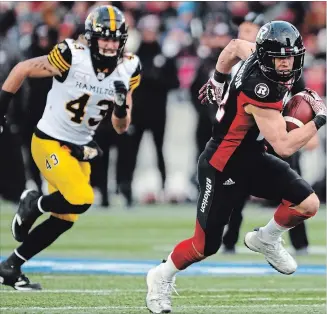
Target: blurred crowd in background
(178,44)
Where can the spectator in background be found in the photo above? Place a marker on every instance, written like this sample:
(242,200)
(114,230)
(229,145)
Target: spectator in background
(106,137)
(134,36)
(43,39)
(12,175)
(215,37)
(159,76)
(135,7)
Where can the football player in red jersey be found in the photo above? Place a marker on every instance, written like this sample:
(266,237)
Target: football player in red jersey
(234,163)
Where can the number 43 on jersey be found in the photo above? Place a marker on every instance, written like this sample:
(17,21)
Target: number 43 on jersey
(77,109)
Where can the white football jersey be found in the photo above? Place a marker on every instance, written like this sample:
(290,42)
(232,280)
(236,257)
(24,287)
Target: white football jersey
(76,106)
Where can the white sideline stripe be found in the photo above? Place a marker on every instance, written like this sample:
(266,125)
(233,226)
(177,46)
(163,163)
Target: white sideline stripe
(294,120)
(110,291)
(187,307)
(312,250)
(226,296)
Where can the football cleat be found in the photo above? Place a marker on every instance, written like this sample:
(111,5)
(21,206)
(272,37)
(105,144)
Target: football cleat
(275,253)
(13,277)
(158,299)
(26,215)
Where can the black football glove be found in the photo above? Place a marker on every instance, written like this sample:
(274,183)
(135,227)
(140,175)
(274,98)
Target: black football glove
(120,93)
(120,108)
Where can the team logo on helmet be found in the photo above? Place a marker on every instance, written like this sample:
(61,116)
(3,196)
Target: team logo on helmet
(261,90)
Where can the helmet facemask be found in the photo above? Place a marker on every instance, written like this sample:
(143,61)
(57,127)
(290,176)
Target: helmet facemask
(280,39)
(267,65)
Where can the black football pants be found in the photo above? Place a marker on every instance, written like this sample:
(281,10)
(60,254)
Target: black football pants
(261,174)
(298,235)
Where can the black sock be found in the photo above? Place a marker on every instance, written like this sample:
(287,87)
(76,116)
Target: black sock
(42,236)
(15,261)
(56,203)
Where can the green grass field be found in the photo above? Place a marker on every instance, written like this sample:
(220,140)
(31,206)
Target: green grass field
(149,233)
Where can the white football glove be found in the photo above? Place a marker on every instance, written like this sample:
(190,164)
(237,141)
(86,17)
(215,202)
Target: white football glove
(315,101)
(318,106)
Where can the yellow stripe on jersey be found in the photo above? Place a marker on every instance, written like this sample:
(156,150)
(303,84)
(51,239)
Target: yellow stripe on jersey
(94,22)
(57,56)
(57,60)
(134,82)
(135,78)
(112,18)
(54,62)
(61,57)
(50,61)
(62,67)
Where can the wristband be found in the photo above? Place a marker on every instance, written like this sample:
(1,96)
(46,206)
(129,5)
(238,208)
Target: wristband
(5,98)
(319,121)
(120,111)
(220,77)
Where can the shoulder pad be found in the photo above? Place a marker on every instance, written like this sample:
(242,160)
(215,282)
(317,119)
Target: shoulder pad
(262,91)
(132,63)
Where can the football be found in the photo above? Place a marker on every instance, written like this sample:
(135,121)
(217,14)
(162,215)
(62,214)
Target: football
(297,112)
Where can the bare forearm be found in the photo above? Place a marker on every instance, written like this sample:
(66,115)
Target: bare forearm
(235,51)
(298,138)
(36,67)
(15,79)
(121,124)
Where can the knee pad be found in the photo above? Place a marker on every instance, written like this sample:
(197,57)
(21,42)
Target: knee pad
(288,216)
(71,212)
(80,209)
(58,204)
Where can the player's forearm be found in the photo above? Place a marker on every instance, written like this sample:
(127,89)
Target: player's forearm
(296,139)
(11,86)
(235,51)
(36,67)
(121,116)
(16,78)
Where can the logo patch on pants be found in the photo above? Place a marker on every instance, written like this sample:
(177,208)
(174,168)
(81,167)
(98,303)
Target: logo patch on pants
(206,195)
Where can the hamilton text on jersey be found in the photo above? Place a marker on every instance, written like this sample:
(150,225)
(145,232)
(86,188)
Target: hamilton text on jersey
(94,89)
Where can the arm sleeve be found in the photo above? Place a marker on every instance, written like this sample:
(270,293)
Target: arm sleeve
(61,58)
(135,79)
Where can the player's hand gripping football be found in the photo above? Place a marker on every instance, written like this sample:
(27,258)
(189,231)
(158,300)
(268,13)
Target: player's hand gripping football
(211,92)
(317,105)
(120,93)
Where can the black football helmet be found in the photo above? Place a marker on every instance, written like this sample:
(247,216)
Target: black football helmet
(280,39)
(106,22)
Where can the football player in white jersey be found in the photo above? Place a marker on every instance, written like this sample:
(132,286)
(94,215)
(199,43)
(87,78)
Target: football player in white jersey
(92,76)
